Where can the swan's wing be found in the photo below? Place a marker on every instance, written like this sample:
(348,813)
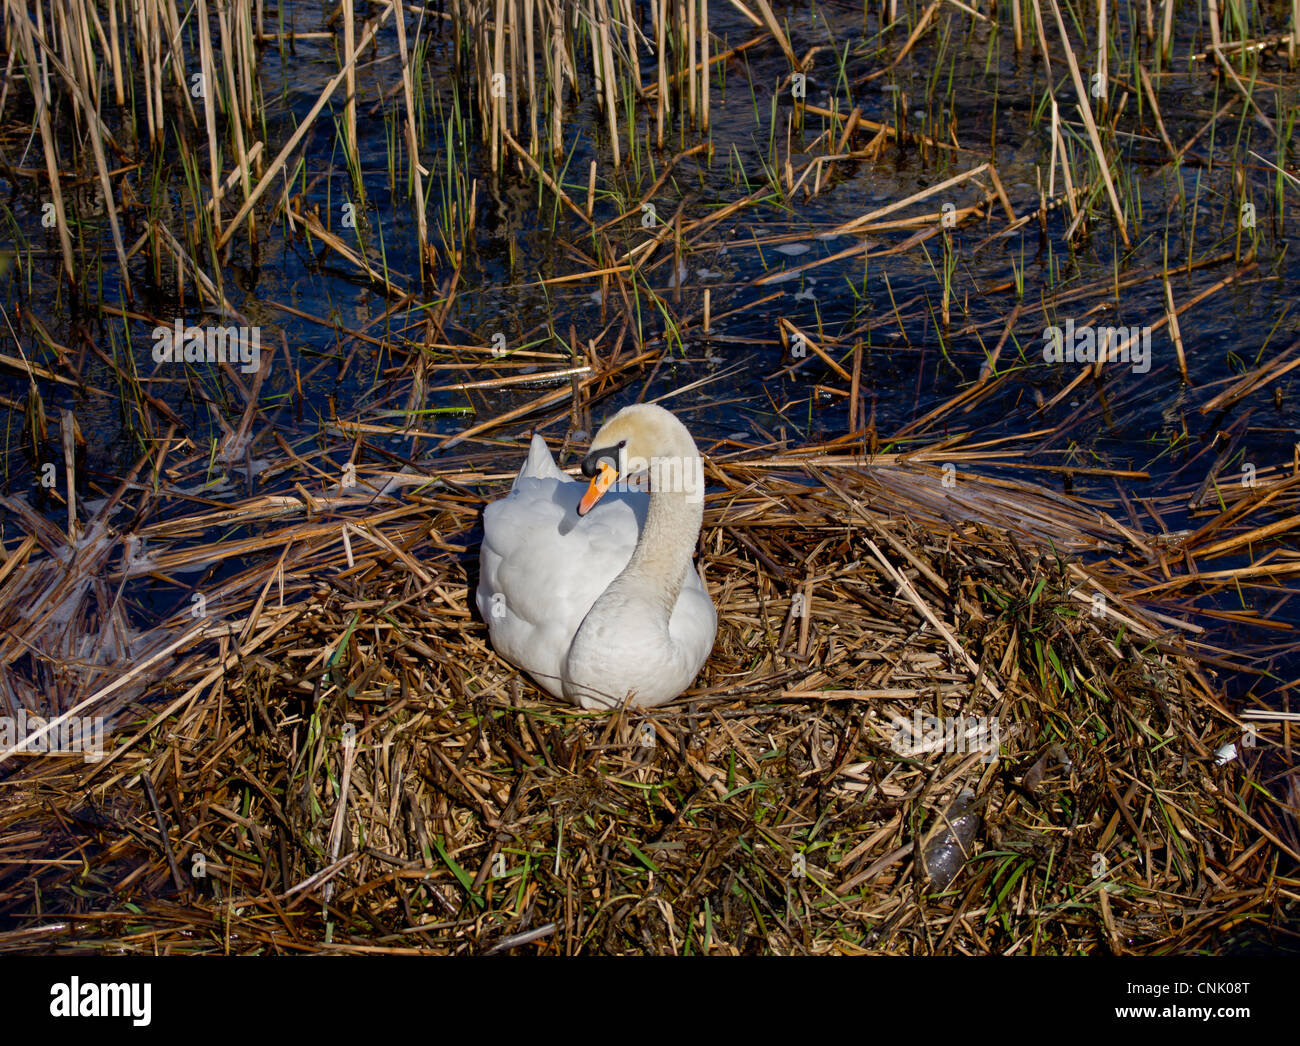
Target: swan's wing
(694,623)
(542,567)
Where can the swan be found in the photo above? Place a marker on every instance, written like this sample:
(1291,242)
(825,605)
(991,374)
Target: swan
(592,590)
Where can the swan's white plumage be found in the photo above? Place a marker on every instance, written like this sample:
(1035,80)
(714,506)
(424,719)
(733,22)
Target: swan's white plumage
(543,567)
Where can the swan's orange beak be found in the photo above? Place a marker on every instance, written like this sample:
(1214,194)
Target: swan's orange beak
(600,482)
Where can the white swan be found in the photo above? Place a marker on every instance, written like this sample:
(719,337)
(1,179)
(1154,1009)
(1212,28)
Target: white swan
(594,594)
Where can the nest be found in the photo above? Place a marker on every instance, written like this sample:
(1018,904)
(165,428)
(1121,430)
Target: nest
(925,728)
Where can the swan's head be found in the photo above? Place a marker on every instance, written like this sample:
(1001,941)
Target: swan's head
(646,442)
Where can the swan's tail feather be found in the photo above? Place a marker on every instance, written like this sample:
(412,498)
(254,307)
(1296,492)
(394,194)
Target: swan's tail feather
(540,464)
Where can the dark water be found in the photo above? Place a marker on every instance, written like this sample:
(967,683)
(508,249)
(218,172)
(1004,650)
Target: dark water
(737,381)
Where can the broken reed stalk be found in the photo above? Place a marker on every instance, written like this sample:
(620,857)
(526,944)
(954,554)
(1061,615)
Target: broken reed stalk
(705,63)
(246,57)
(497,82)
(412,138)
(691,15)
(237,104)
(350,86)
(660,11)
(560,70)
(208,83)
(778,34)
(1059,150)
(144,49)
(513,80)
(604,63)
(1103,49)
(534,99)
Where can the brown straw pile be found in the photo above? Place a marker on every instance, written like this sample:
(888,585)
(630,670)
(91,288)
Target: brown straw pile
(334,759)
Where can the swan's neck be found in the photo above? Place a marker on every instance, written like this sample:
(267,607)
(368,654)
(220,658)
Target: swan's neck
(663,554)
